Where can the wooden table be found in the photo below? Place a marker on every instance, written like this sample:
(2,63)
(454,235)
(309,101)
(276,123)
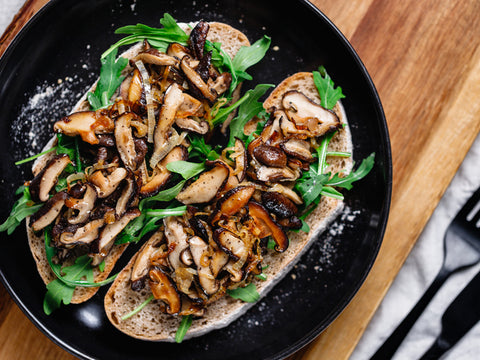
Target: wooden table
(424,58)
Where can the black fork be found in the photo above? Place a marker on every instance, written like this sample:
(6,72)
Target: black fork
(461,250)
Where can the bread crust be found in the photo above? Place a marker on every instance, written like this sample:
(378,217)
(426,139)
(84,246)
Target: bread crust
(151,324)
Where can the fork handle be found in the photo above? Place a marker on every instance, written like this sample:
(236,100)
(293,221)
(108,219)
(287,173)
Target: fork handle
(438,348)
(390,346)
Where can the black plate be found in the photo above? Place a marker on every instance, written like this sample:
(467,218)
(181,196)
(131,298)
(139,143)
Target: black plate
(64,41)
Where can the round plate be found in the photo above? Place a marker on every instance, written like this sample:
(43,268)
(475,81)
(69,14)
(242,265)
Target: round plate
(54,60)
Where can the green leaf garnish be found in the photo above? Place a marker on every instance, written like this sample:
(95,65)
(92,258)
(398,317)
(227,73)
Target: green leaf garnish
(250,108)
(329,95)
(360,173)
(31,158)
(183,328)
(21,209)
(159,38)
(185,168)
(110,80)
(248,293)
(137,309)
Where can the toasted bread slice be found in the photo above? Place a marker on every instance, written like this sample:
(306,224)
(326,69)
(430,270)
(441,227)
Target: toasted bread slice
(151,324)
(231,40)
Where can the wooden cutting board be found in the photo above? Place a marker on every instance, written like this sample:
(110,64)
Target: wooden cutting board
(424,58)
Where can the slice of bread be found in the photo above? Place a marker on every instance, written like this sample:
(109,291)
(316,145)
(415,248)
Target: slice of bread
(151,324)
(231,40)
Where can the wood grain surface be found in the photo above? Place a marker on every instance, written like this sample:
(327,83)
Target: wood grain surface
(424,58)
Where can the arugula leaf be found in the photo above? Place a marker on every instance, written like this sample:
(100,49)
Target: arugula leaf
(247,110)
(329,95)
(159,38)
(110,80)
(185,168)
(249,97)
(163,196)
(58,291)
(360,173)
(31,158)
(248,293)
(183,328)
(137,309)
(21,209)
(199,149)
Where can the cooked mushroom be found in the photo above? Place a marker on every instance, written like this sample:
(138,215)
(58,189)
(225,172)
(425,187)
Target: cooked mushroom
(289,193)
(196,80)
(177,50)
(164,289)
(48,212)
(233,201)
(241,159)
(186,257)
(221,83)
(176,241)
(141,266)
(235,271)
(83,205)
(197,38)
(162,175)
(206,187)
(230,244)
(189,107)
(270,156)
(200,227)
(200,254)
(135,89)
(108,234)
(278,204)
(155,57)
(41,184)
(86,124)
(189,124)
(267,174)
(219,260)
(259,213)
(84,235)
(107,185)
(129,193)
(124,140)
(173,99)
(297,148)
(304,112)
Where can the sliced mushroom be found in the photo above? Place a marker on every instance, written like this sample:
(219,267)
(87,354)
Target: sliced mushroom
(259,213)
(83,205)
(289,193)
(196,80)
(192,125)
(279,204)
(86,124)
(233,201)
(206,187)
(219,260)
(241,159)
(108,234)
(135,89)
(200,254)
(48,212)
(162,175)
(186,257)
(129,193)
(124,140)
(200,227)
(198,37)
(270,156)
(272,174)
(164,289)
(297,148)
(235,271)
(305,113)
(177,50)
(107,185)
(155,57)
(41,184)
(141,266)
(221,83)
(83,235)
(173,99)
(189,107)
(176,241)
(230,244)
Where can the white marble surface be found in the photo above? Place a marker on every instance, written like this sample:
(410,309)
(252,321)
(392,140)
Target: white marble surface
(415,276)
